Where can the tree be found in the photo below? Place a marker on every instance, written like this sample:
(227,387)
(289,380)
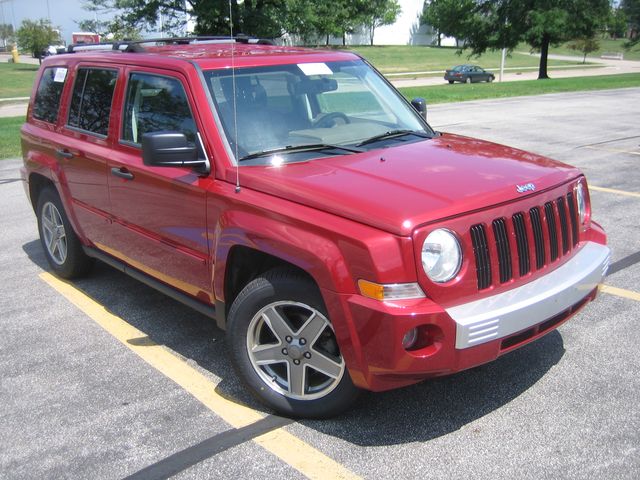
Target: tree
(36,36)
(377,13)
(110,29)
(631,8)
(262,18)
(585,46)
(6,33)
(497,24)
(444,17)
(617,23)
(349,15)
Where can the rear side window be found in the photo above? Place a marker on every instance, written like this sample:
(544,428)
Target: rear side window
(47,101)
(91,100)
(156,103)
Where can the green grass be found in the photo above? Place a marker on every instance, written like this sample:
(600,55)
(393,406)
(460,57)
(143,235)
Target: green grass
(399,59)
(606,46)
(10,137)
(476,91)
(17,79)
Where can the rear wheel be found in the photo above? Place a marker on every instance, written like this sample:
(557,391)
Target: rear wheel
(60,243)
(450,81)
(468,80)
(490,79)
(283,346)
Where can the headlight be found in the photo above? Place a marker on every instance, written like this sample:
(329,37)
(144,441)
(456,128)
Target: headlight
(581,200)
(441,255)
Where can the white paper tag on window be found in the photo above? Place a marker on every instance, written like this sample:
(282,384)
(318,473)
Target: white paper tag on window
(61,74)
(315,69)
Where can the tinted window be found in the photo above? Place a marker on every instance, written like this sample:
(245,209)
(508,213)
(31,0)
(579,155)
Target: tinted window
(47,100)
(91,100)
(155,104)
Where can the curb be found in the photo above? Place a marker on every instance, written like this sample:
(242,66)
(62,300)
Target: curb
(14,99)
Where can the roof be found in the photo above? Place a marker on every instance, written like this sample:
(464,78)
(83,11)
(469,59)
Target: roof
(210,53)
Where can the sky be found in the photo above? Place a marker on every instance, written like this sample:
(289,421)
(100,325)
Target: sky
(62,13)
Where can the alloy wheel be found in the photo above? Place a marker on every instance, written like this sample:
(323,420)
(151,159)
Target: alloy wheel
(55,237)
(293,349)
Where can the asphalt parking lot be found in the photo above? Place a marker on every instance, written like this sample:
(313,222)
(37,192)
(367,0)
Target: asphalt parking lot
(106,378)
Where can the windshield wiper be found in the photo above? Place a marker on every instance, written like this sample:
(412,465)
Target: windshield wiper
(308,147)
(393,134)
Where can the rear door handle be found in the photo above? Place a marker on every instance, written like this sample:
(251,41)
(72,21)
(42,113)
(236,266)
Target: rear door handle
(64,154)
(122,173)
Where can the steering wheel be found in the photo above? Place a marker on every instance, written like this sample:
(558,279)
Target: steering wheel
(328,120)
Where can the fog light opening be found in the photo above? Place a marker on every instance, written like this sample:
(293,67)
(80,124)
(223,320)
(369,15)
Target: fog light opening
(409,339)
(423,340)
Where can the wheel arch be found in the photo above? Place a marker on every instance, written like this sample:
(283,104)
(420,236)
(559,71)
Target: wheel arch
(244,264)
(37,183)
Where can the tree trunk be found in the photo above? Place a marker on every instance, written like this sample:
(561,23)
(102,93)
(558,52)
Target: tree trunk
(371,33)
(439,39)
(544,53)
(327,44)
(584,59)
(344,38)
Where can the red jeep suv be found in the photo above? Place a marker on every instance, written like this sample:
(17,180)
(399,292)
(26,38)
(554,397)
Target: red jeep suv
(297,198)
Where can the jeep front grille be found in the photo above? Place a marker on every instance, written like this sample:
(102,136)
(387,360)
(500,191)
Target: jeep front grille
(551,229)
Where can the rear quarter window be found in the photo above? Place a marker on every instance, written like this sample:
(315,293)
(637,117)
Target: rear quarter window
(47,102)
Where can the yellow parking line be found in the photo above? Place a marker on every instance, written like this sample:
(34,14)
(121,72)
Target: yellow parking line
(613,190)
(300,455)
(620,292)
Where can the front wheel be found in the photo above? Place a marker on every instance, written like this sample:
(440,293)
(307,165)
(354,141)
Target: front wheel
(490,79)
(284,348)
(450,82)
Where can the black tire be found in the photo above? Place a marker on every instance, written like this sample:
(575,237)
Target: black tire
(490,79)
(60,243)
(467,80)
(289,296)
(450,81)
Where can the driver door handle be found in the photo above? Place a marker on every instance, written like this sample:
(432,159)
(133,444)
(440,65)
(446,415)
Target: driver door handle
(122,173)
(64,154)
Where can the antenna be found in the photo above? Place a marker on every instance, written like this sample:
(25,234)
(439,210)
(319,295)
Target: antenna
(235,109)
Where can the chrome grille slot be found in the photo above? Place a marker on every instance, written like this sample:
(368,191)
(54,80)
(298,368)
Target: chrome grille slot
(574,218)
(481,252)
(504,252)
(538,238)
(522,243)
(564,225)
(552,229)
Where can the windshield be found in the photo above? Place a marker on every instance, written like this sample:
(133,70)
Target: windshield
(337,108)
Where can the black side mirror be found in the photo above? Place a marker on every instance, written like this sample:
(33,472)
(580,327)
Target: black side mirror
(170,149)
(420,104)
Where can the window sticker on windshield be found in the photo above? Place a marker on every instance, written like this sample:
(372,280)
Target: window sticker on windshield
(315,69)
(61,74)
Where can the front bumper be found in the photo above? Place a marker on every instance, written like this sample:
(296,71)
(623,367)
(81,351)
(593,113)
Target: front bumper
(520,308)
(463,336)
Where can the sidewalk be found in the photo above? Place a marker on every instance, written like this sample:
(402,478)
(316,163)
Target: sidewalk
(13,109)
(608,67)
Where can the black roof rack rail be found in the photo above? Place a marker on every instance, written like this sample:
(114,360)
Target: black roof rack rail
(137,45)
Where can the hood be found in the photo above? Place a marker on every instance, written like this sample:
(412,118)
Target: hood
(400,188)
